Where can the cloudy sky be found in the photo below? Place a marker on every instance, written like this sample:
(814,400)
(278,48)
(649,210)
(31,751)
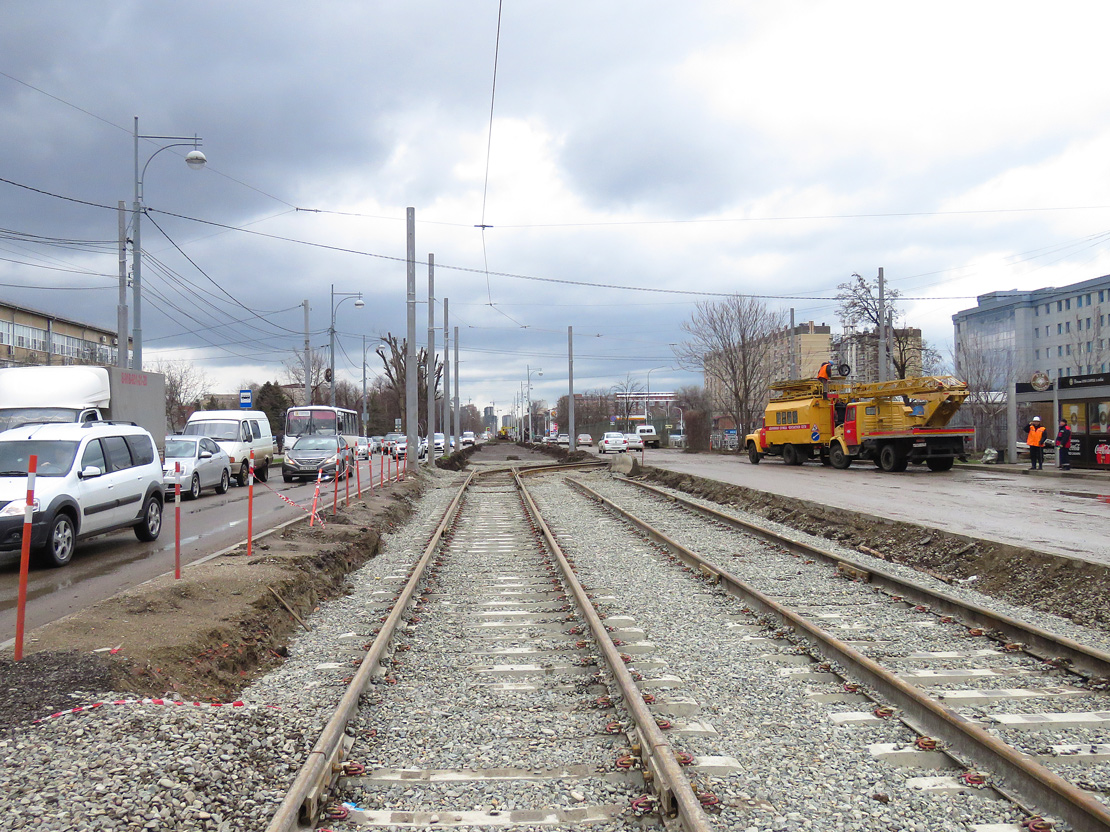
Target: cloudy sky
(640,153)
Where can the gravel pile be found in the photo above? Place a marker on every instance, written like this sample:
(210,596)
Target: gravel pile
(140,765)
(798,771)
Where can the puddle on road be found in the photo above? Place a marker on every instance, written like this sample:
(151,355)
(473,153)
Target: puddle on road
(1102,498)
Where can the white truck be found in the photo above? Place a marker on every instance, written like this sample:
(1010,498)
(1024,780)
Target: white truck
(80,393)
(648,435)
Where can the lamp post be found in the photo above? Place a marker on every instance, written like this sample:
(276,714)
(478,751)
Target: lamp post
(359,303)
(539,372)
(195,160)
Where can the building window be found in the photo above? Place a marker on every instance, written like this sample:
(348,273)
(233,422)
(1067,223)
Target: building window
(1088,298)
(1038,355)
(1101,293)
(1059,352)
(1067,303)
(1037,332)
(1059,372)
(1068,349)
(1047,308)
(1088,323)
(1079,302)
(1059,306)
(1059,329)
(1067,326)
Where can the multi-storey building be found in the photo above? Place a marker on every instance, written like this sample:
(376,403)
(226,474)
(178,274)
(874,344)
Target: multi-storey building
(1052,346)
(860,351)
(1059,331)
(810,344)
(30,336)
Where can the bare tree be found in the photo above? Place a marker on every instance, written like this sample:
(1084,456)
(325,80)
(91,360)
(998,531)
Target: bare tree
(186,386)
(295,373)
(729,343)
(626,405)
(393,354)
(989,372)
(859,309)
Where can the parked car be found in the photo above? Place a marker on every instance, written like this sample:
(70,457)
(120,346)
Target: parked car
(401,448)
(677,440)
(311,456)
(93,477)
(564,439)
(648,435)
(467,438)
(584,440)
(635,443)
(441,443)
(362,447)
(204,464)
(376,444)
(389,440)
(612,443)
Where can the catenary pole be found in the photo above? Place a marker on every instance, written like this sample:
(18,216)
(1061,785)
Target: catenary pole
(307,358)
(431,370)
(570,385)
(882,327)
(447,434)
(412,402)
(121,308)
(458,431)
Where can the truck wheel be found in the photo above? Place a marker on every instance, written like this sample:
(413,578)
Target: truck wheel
(891,458)
(943,463)
(150,526)
(791,456)
(837,458)
(225,482)
(753,455)
(194,487)
(60,542)
(244,473)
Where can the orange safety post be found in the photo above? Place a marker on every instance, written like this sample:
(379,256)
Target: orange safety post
(335,489)
(25,555)
(316,497)
(250,505)
(177,522)
(381,471)
(347,475)
(358,473)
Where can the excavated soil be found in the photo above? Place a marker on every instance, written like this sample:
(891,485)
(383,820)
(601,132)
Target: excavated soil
(1059,585)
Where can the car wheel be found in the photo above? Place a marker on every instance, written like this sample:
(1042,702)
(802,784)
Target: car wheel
(151,525)
(194,487)
(263,473)
(287,478)
(60,542)
(244,473)
(837,458)
(225,482)
(753,455)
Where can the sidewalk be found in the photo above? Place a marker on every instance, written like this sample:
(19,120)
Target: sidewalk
(1050,471)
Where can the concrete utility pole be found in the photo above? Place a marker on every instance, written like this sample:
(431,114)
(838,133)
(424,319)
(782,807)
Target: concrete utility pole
(458,431)
(431,358)
(364,431)
(307,358)
(570,385)
(412,400)
(121,308)
(446,380)
(793,347)
(882,327)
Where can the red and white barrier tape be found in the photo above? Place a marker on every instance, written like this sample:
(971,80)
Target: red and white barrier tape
(281,496)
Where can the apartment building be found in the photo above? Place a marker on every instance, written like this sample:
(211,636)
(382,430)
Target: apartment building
(31,337)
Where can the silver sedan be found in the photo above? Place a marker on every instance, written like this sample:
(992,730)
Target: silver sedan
(204,464)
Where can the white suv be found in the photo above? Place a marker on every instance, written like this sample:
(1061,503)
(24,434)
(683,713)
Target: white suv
(92,478)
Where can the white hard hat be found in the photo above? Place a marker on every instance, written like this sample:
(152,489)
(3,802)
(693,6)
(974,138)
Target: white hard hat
(1036,418)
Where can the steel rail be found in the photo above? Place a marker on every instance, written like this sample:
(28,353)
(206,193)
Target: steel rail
(1032,782)
(666,778)
(1079,658)
(318,774)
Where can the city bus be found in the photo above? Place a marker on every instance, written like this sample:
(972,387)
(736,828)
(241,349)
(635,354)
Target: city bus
(321,420)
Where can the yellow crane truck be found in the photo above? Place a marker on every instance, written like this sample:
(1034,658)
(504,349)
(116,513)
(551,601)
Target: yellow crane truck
(892,423)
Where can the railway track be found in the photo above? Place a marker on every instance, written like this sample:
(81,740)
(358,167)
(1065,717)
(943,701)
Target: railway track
(996,706)
(491,633)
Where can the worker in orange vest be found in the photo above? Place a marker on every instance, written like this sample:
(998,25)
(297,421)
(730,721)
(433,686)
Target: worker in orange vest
(823,373)
(1035,438)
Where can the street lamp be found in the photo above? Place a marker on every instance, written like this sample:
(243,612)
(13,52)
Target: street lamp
(195,160)
(539,372)
(359,303)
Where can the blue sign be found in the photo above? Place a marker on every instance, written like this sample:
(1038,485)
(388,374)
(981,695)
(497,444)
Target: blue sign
(730,431)
(245,399)
(815,434)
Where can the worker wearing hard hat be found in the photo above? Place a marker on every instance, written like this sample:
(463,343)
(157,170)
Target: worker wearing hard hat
(1035,433)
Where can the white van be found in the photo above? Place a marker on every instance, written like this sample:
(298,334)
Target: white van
(238,432)
(648,435)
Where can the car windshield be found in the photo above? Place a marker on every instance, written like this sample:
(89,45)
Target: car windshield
(55,457)
(13,417)
(214,429)
(316,443)
(181,449)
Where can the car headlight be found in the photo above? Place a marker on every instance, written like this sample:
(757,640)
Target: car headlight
(16,508)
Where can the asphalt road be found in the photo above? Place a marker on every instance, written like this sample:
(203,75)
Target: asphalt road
(1047,511)
(106,565)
